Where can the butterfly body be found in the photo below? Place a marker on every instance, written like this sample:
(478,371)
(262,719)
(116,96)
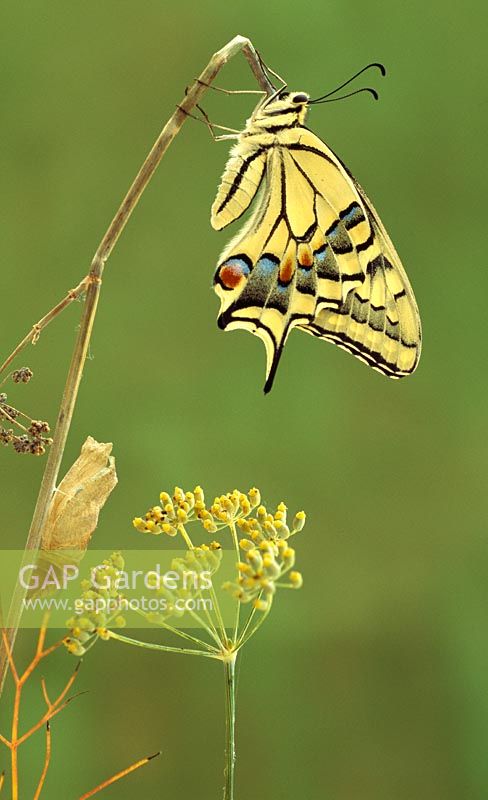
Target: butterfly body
(314,254)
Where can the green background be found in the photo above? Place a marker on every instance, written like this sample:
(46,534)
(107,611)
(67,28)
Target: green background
(372,682)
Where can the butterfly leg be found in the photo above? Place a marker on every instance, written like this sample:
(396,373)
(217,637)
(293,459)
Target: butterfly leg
(212,125)
(274,74)
(229,91)
(232,132)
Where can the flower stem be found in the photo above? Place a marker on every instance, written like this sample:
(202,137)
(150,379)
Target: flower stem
(161,647)
(245,635)
(235,542)
(230,725)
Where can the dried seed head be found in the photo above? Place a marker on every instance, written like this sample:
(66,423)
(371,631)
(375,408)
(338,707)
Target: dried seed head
(6,436)
(31,440)
(37,448)
(8,412)
(21,444)
(37,427)
(22,375)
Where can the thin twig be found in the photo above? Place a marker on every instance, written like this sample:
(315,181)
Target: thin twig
(68,686)
(14,742)
(47,760)
(118,776)
(9,656)
(36,330)
(91,287)
(42,634)
(49,715)
(53,708)
(42,654)
(45,693)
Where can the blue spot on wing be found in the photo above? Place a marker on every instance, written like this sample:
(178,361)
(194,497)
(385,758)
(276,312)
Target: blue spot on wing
(352,215)
(267,265)
(321,255)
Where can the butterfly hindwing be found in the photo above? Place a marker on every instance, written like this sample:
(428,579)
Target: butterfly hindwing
(379,321)
(313,255)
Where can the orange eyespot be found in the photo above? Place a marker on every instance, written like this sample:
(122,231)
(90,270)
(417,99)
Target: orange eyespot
(232,272)
(230,276)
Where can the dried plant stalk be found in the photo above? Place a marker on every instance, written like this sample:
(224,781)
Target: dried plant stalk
(92,283)
(52,709)
(122,774)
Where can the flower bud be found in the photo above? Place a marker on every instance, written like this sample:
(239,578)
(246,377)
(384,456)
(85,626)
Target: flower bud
(178,495)
(254,497)
(296,579)
(255,559)
(74,647)
(299,521)
(289,558)
(198,494)
(170,530)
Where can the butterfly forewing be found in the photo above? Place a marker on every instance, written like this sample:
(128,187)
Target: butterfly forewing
(313,255)
(239,183)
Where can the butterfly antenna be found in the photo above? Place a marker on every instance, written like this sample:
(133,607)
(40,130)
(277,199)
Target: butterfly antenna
(373,65)
(351,94)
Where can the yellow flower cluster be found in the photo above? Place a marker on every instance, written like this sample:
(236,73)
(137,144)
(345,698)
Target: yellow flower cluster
(267,557)
(184,507)
(190,572)
(265,526)
(262,562)
(101,603)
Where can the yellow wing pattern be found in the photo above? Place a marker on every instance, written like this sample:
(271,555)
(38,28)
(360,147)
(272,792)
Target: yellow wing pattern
(313,255)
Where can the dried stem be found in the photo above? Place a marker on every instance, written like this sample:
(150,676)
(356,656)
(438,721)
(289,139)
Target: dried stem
(53,708)
(36,330)
(119,775)
(91,285)
(47,761)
